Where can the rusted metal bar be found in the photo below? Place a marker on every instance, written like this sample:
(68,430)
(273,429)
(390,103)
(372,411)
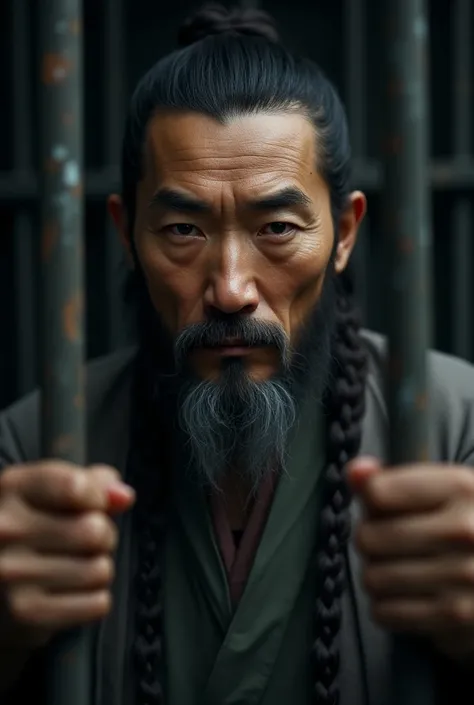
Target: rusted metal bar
(407,233)
(462,216)
(62,336)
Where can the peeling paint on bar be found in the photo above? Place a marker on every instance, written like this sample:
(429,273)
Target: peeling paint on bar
(62,295)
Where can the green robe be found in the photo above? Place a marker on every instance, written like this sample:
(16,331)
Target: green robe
(215,643)
(257,653)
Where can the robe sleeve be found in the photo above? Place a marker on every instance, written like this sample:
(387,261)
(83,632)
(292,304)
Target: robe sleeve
(456,682)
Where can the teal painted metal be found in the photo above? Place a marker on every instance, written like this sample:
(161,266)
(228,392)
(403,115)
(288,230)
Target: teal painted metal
(62,288)
(407,240)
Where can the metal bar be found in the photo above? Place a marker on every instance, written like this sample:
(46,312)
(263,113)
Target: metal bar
(114,102)
(443,175)
(356,84)
(25,273)
(356,96)
(22,148)
(20,186)
(63,431)
(407,231)
(462,216)
(462,77)
(23,240)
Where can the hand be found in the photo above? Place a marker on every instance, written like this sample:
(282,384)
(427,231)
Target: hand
(416,539)
(56,544)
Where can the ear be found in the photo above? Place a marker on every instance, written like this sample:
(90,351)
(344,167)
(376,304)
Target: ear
(348,228)
(119,217)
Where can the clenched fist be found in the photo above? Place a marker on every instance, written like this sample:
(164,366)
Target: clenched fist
(57,537)
(416,539)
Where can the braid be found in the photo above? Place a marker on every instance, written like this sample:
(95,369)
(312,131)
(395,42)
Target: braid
(345,404)
(150,523)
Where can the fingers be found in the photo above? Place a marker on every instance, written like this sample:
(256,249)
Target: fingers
(389,579)
(419,535)
(57,574)
(58,486)
(452,611)
(56,545)
(33,608)
(410,488)
(83,534)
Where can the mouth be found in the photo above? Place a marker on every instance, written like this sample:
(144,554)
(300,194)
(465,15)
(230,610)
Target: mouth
(232,347)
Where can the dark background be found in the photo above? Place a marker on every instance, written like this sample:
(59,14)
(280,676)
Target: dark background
(122,39)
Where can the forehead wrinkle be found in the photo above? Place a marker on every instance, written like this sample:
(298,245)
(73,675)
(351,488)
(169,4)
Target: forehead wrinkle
(238,170)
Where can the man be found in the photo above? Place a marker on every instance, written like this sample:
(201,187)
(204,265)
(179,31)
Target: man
(236,423)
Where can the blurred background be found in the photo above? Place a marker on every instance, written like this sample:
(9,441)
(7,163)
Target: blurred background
(122,39)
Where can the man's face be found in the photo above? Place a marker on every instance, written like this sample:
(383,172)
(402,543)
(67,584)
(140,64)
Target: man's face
(234,219)
(234,236)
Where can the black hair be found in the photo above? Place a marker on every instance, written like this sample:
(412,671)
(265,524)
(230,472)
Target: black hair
(232,64)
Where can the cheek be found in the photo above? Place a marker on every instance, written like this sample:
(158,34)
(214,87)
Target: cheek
(175,290)
(305,275)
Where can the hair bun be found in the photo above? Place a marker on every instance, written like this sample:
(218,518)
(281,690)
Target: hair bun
(216,19)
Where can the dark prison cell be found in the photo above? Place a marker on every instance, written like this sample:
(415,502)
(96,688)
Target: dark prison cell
(122,38)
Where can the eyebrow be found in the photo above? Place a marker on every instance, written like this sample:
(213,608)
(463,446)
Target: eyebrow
(171,199)
(178,201)
(285,198)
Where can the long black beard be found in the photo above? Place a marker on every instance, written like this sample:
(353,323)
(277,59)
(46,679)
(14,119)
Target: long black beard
(236,423)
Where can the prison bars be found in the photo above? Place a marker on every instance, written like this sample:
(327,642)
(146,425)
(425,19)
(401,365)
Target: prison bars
(19,186)
(407,239)
(462,216)
(62,295)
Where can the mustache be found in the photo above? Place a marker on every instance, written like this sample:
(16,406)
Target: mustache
(249,331)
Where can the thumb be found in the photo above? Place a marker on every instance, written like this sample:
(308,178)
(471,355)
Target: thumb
(360,470)
(119,496)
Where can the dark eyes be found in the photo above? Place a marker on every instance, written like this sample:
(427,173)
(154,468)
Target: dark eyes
(182,229)
(276,228)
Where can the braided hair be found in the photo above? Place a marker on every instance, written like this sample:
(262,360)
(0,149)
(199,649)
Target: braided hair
(345,406)
(259,75)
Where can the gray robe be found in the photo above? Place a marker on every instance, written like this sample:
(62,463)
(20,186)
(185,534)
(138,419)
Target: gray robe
(242,671)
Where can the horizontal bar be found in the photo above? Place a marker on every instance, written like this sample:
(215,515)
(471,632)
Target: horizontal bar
(446,175)
(442,175)
(24,185)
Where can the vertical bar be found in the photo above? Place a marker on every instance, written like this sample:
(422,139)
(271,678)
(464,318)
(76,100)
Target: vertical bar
(356,39)
(114,101)
(23,242)
(62,325)
(356,92)
(462,216)
(407,239)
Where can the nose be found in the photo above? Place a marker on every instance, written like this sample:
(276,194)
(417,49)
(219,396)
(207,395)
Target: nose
(232,287)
